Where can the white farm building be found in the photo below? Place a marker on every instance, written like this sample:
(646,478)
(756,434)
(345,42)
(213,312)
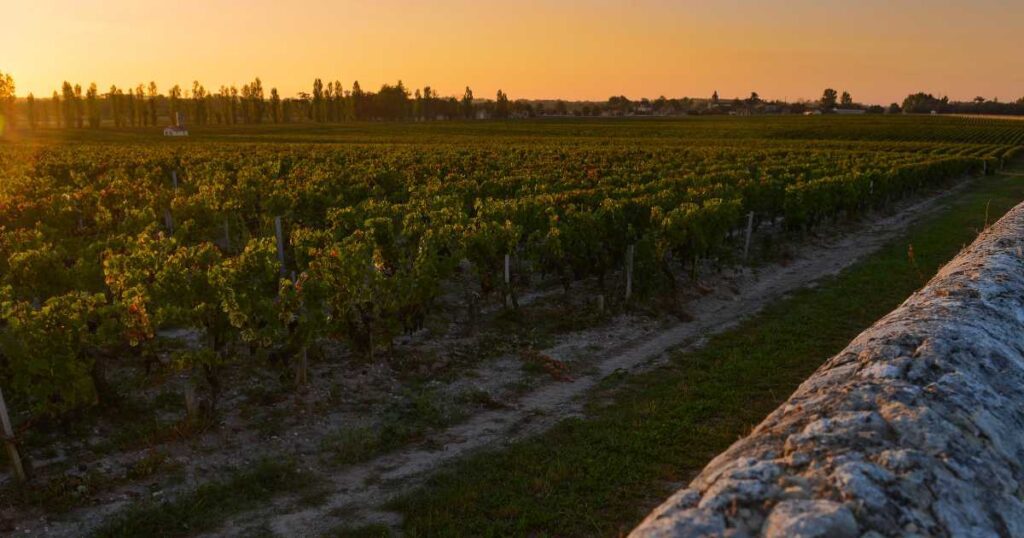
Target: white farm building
(174,130)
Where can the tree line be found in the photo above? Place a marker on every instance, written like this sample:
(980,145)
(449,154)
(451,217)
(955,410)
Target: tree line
(75,107)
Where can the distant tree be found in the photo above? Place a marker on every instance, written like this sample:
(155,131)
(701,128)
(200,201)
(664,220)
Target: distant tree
(115,105)
(79,107)
(30,105)
(69,114)
(467,104)
(427,106)
(895,108)
(923,103)
(92,99)
(42,113)
(392,102)
(619,105)
(233,106)
(876,109)
(754,99)
(358,111)
(138,106)
(828,99)
(661,104)
(318,101)
(979,100)
(200,115)
(55,103)
(256,100)
(846,100)
(152,93)
(714,98)
(133,108)
(524,109)
(173,102)
(286,110)
(275,106)
(417,105)
(7,100)
(339,101)
(245,106)
(501,105)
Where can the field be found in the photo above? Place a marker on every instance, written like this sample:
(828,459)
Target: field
(192,330)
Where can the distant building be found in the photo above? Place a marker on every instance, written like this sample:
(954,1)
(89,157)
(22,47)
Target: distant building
(642,110)
(178,129)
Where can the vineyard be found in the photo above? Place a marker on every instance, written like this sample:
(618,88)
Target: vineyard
(127,264)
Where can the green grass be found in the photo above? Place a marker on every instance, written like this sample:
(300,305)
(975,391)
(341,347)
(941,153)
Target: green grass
(652,433)
(209,505)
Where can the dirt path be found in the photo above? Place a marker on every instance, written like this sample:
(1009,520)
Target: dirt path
(361,490)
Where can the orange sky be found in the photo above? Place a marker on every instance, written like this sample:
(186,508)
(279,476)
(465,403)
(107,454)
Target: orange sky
(878,50)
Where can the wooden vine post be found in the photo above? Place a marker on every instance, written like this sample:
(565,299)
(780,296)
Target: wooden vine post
(508,281)
(9,443)
(191,400)
(750,231)
(629,271)
(280,243)
(169,221)
(302,368)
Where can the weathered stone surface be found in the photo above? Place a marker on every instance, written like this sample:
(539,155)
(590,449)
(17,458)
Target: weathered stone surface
(916,428)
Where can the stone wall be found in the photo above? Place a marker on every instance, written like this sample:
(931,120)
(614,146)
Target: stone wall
(916,428)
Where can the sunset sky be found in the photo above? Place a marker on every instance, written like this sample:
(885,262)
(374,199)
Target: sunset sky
(878,50)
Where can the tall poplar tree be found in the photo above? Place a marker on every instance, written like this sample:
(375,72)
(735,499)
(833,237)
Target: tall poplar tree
(30,105)
(467,104)
(92,100)
(55,103)
(79,106)
(152,93)
(7,100)
(275,106)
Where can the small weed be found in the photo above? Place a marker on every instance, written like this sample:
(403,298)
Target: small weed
(263,396)
(208,505)
(58,494)
(154,432)
(535,362)
(353,445)
(148,466)
(272,423)
(480,398)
